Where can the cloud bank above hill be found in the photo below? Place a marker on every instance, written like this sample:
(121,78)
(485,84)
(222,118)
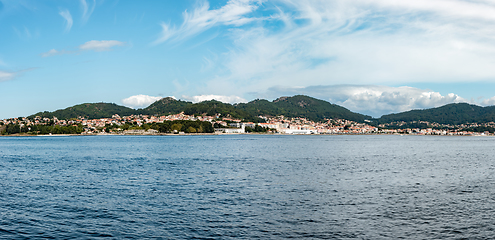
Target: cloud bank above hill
(139,101)
(142,101)
(225,99)
(373,100)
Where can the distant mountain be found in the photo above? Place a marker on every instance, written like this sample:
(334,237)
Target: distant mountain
(301,106)
(89,110)
(164,106)
(455,113)
(296,106)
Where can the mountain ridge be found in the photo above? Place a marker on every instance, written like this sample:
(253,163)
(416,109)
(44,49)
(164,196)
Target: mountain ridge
(452,113)
(293,106)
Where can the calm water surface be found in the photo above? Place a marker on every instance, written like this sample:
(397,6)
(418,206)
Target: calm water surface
(247,187)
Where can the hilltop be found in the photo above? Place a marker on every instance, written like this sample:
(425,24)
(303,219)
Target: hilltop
(89,110)
(165,106)
(454,113)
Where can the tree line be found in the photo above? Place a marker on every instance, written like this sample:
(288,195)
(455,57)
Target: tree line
(176,126)
(42,129)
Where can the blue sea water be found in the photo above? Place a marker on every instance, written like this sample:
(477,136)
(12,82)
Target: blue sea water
(247,187)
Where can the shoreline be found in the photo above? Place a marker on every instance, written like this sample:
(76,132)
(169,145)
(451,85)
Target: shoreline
(226,134)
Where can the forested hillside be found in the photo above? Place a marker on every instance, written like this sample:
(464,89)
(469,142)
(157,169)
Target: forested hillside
(165,106)
(455,113)
(301,106)
(296,106)
(89,110)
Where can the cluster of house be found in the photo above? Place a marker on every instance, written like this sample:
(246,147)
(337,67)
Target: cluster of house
(303,126)
(279,124)
(436,129)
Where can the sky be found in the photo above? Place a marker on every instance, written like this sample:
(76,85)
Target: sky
(371,56)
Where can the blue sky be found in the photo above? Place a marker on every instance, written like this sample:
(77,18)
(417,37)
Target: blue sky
(371,56)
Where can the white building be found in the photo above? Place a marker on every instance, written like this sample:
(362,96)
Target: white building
(230,130)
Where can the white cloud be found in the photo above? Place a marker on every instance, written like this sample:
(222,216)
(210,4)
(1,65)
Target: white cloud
(68,19)
(5,76)
(139,101)
(94,45)
(372,99)
(202,19)
(87,12)
(225,99)
(488,102)
(98,46)
(451,8)
(54,52)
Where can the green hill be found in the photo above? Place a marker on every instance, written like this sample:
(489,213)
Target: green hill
(166,106)
(214,107)
(169,105)
(89,110)
(301,106)
(296,106)
(455,113)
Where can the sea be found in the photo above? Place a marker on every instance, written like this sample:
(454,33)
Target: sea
(247,187)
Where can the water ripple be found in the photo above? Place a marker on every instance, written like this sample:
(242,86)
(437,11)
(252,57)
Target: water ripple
(247,187)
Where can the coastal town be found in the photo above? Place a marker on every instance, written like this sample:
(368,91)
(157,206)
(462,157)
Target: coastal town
(228,125)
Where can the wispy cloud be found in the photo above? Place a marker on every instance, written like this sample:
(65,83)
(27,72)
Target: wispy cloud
(202,18)
(68,19)
(140,101)
(54,52)
(25,34)
(9,75)
(5,76)
(384,42)
(98,46)
(221,98)
(2,63)
(93,45)
(86,11)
